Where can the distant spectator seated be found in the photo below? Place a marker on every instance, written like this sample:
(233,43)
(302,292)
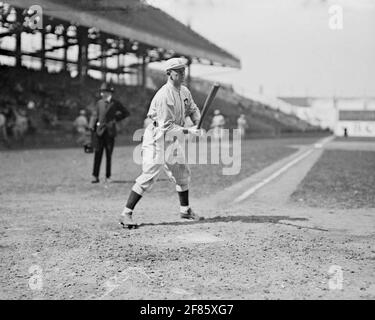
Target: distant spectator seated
(3,128)
(81,126)
(20,125)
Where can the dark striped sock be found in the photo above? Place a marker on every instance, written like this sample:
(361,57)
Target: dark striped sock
(133,200)
(184,198)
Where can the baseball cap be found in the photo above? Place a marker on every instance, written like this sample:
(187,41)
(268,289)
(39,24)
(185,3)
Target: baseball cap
(174,63)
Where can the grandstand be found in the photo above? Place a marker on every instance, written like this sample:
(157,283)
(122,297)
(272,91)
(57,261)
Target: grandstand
(83,43)
(101,38)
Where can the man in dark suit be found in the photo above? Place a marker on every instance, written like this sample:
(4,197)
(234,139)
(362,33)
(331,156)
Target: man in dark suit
(107,112)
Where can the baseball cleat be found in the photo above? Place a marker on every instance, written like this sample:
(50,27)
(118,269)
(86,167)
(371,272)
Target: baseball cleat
(190,215)
(126,220)
(95,180)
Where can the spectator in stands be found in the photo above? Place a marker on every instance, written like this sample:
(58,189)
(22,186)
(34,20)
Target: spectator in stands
(217,124)
(3,128)
(19,88)
(10,119)
(107,112)
(31,105)
(242,125)
(81,126)
(20,125)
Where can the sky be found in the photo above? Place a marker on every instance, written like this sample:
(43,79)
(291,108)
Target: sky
(287,48)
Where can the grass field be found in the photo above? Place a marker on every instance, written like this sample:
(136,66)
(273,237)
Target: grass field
(340,179)
(356,139)
(69,170)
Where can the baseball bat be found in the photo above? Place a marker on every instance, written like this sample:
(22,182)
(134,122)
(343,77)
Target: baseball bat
(208,103)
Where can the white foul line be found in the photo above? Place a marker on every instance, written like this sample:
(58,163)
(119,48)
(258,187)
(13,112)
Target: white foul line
(271,177)
(249,192)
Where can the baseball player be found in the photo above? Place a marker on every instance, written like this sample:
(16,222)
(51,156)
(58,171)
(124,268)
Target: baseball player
(242,125)
(169,107)
(81,126)
(217,124)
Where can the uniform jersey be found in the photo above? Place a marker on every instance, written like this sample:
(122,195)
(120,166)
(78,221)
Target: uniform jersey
(170,106)
(218,121)
(241,123)
(81,124)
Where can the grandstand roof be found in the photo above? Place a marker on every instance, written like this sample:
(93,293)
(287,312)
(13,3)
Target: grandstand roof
(132,19)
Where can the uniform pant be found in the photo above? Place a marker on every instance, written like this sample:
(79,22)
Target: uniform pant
(104,142)
(159,154)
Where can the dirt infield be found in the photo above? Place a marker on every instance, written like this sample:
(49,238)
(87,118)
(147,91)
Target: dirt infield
(60,238)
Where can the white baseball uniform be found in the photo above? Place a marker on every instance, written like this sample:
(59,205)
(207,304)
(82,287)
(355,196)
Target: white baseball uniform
(217,124)
(242,125)
(168,110)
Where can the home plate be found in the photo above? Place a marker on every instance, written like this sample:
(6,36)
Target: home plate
(198,237)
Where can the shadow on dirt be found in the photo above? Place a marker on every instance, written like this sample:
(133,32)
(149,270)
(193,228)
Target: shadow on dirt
(123,181)
(244,219)
(132,181)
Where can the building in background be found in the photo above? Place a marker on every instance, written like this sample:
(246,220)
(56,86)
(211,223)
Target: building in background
(356,115)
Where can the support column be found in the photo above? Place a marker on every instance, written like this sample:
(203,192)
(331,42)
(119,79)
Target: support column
(104,60)
(18,51)
(118,61)
(144,71)
(189,73)
(65,56)
(123,66)
(43,49)
(82,62)
(79,56)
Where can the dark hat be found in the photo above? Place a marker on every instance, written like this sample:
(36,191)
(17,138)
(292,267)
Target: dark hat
(107,87)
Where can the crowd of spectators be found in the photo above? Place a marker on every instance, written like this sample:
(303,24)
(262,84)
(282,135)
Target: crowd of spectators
(51,102)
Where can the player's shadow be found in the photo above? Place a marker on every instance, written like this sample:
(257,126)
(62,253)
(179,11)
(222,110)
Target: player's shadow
(123,181)
(243,219)
(132,181)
